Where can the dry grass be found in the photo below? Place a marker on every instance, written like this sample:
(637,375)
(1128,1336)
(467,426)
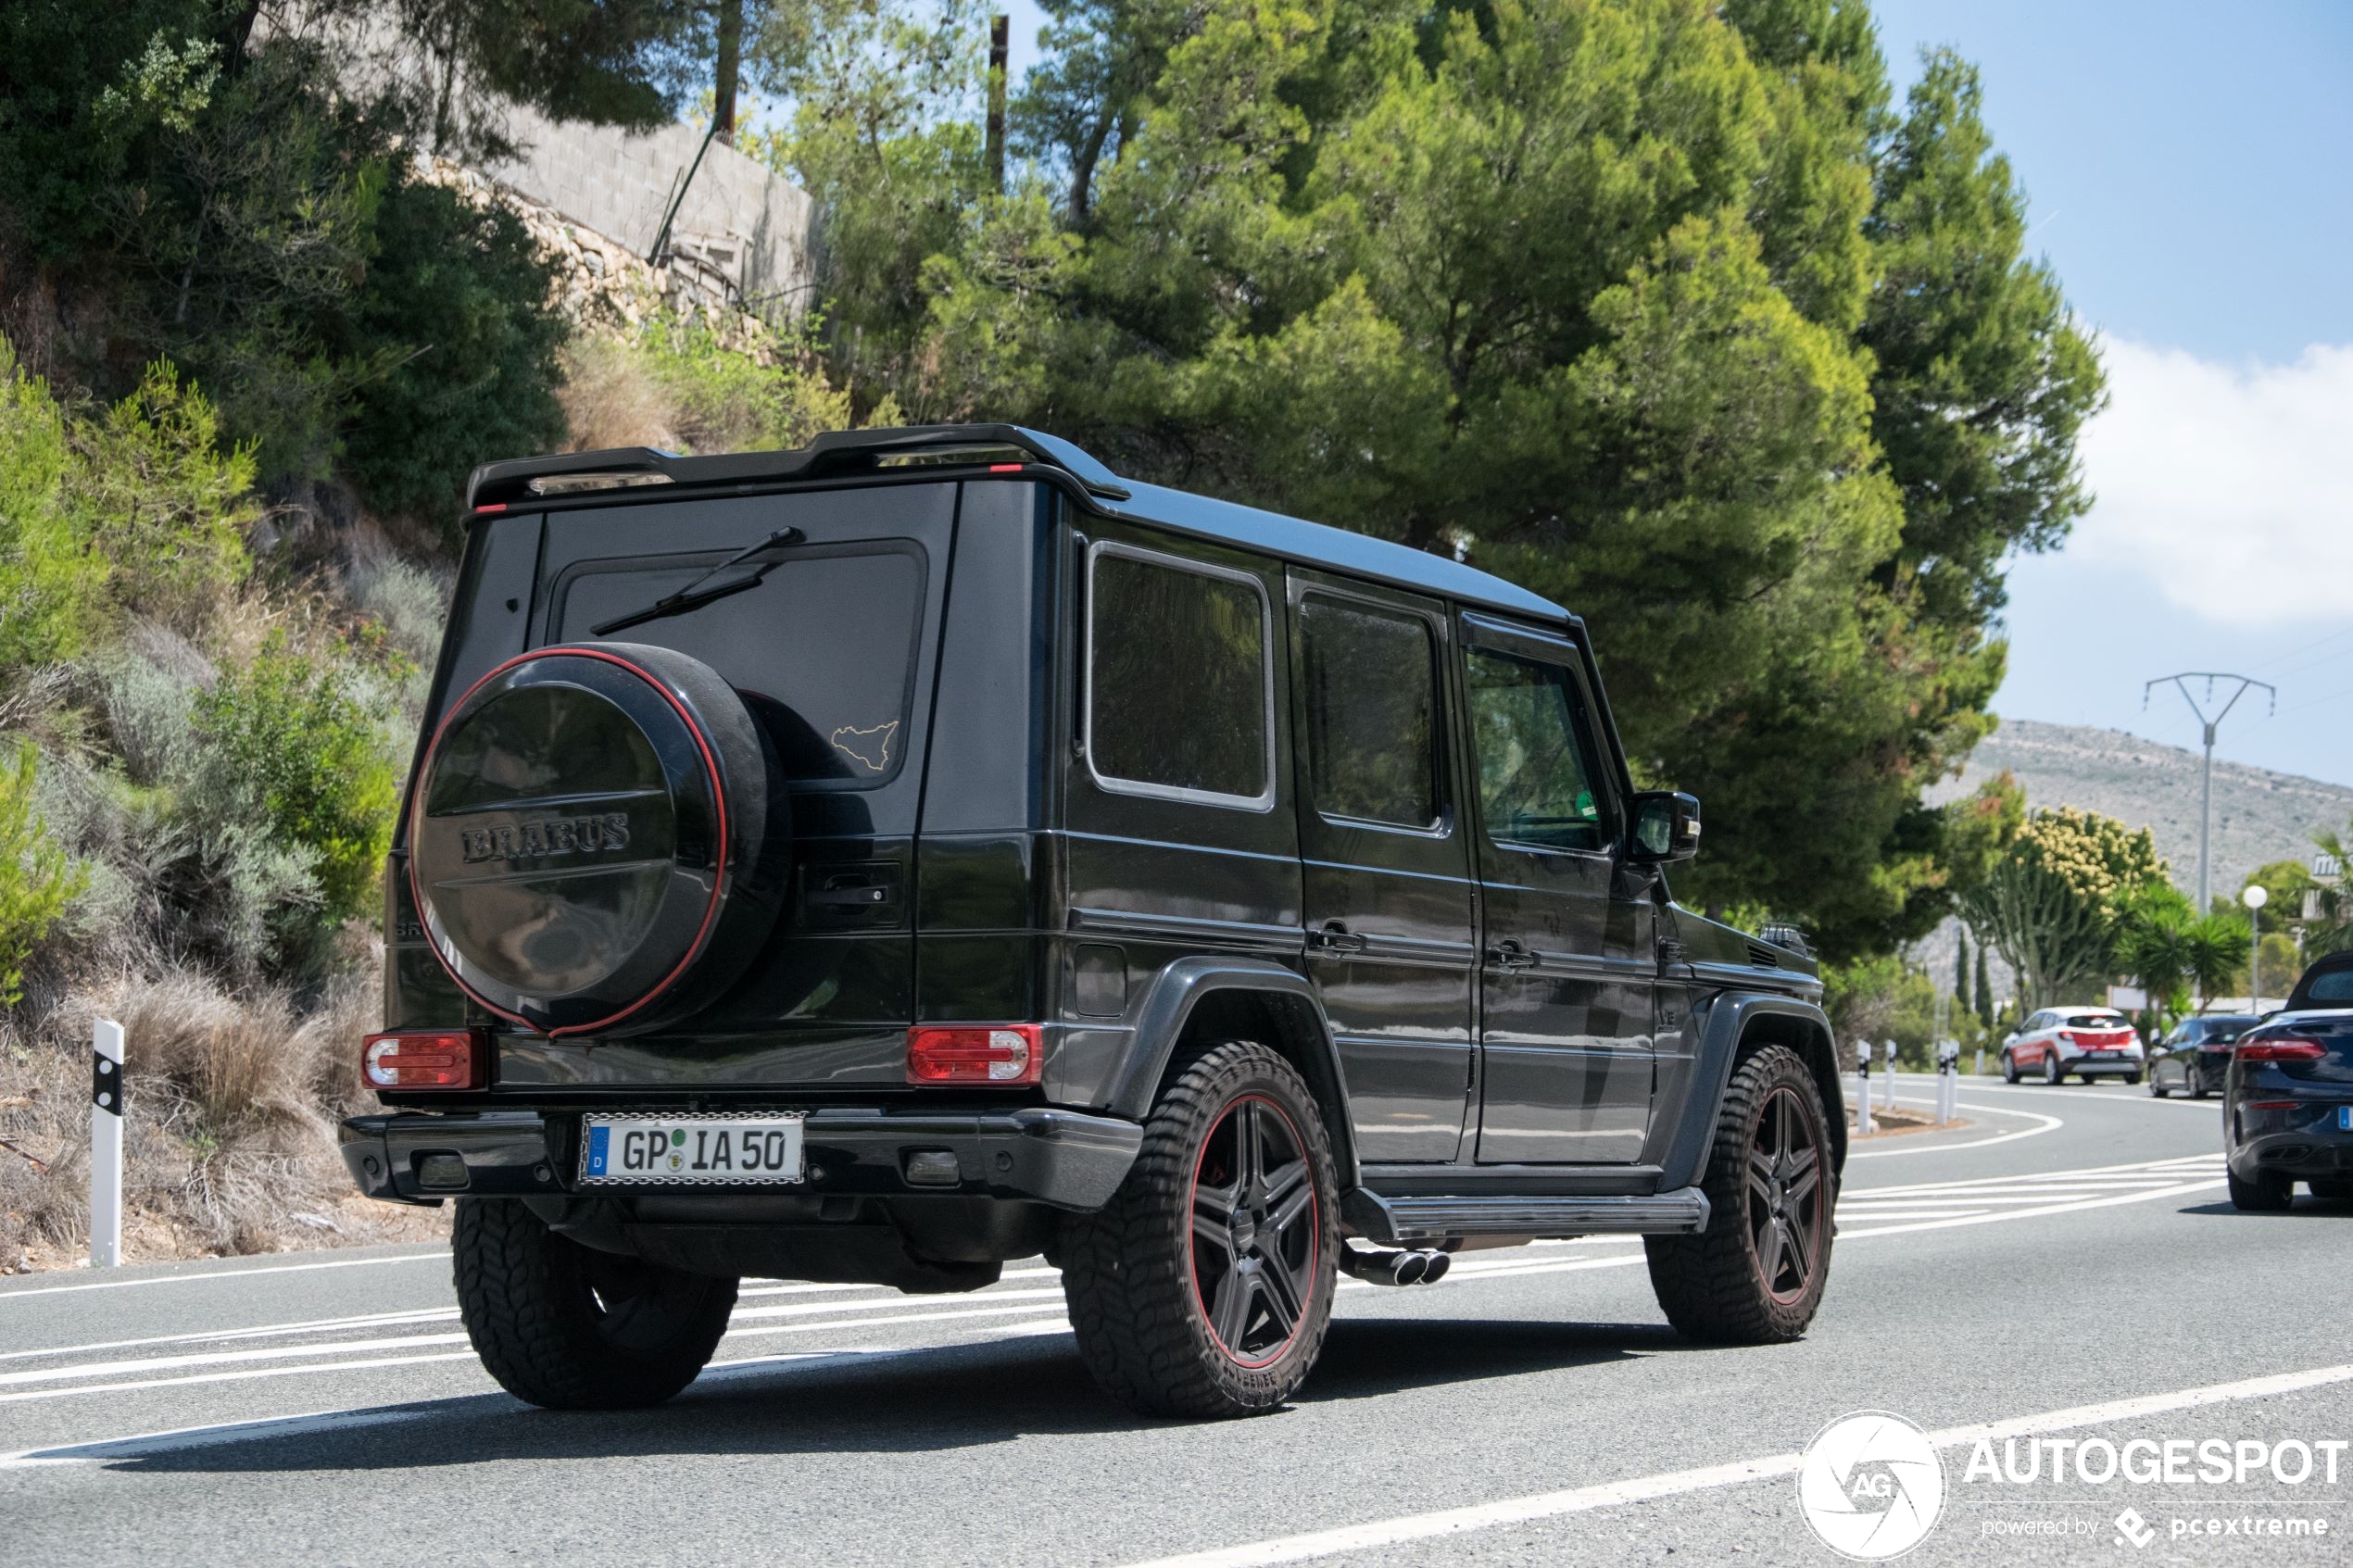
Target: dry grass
(231,1143)
(610,399)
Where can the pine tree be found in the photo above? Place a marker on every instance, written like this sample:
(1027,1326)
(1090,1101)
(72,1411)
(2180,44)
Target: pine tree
(1960,970)
(1984,991)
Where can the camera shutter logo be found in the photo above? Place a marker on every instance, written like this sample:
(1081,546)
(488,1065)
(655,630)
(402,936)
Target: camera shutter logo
(1870,1486)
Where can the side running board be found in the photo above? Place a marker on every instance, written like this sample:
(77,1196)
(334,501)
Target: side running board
(1411,1219)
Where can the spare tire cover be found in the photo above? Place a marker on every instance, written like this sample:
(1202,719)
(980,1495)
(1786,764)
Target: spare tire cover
(596,837)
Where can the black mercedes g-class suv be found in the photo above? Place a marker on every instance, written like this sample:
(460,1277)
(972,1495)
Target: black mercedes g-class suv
(879,861)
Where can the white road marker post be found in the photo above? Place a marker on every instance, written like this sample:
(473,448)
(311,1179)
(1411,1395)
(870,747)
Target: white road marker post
(107,1100)
(1862,1088)
(1979,1071)
(1887,1079)
(1948,1081)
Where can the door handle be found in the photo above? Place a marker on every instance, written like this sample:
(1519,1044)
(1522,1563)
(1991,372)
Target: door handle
(1510,953)
(1335,937)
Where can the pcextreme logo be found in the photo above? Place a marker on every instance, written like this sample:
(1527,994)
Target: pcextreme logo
(1870,1486)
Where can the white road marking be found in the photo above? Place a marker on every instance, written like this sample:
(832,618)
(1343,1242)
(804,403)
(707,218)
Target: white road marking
(1933,1146)
(1387,1533)
(1949,1204)
(7,1296)
(261,1330)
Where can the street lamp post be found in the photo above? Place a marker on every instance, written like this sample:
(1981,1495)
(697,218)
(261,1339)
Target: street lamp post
(2254,897)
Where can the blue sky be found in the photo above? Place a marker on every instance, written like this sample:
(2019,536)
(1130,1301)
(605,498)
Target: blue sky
(2191,173)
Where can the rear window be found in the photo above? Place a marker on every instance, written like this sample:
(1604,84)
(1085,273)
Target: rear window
(2095,1020)
(823,648)
(1178,693)
(2333,985)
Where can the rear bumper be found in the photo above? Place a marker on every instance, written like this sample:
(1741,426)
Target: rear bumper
(2112,1067)
(1061,1157)
(2302,1143)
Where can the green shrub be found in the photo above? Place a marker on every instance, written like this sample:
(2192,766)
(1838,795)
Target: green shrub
(38,879)
(463,296)
(166,506)
(724,400)
(50,579)
(297,743)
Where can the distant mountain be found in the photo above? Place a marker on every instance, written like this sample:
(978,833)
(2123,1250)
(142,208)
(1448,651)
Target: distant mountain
(2259,816)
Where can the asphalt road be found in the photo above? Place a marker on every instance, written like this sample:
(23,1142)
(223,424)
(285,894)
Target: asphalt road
(2066,1264)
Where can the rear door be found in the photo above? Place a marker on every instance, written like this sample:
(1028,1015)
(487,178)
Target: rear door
(1568,971)
(833,651)
(1385,852)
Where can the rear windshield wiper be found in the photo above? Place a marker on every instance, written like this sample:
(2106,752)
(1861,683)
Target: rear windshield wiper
(727,577)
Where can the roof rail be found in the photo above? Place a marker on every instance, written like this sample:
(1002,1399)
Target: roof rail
(496,486)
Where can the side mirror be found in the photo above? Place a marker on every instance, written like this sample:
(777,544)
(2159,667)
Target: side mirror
(2009,1039)
(1666,826)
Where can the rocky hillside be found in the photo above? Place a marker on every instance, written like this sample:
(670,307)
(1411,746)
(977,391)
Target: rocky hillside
(2259,816)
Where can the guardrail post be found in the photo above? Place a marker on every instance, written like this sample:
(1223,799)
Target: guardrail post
(107,1100)
(1863,1088)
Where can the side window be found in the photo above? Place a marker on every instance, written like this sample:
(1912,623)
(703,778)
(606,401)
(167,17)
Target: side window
(1538,783)
(1371,697)
(1178,693)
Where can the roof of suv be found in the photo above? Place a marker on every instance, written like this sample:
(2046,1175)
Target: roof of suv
(496,485)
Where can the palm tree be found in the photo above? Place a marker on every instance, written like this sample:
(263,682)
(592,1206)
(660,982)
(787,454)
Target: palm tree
(2153,947)
(2331,930)
(2214,946)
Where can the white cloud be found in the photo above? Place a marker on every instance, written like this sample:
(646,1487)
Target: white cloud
(2230,487)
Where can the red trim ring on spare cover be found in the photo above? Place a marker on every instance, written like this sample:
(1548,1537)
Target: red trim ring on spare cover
(718,800)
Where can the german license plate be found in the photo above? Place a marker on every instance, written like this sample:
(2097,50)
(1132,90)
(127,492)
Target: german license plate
(689,1150)
(2103,1055)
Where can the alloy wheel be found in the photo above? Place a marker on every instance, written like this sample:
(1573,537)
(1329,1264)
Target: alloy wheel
(1254,1230)
(1787,1204)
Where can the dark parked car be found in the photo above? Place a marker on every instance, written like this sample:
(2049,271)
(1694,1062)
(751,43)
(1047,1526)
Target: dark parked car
(2287,1109)
(879,861)
(2194,1056)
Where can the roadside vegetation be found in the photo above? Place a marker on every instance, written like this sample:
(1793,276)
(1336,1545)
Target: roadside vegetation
(1667,307)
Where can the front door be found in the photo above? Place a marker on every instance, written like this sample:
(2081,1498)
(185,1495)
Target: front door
(1568,972)
(1387,879)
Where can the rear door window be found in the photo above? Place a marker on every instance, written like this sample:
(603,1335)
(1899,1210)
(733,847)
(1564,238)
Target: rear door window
(1179,689)
(822,649)
(1371,704)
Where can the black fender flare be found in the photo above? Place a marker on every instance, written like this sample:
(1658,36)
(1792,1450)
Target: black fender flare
(1167,1008)
(1723,1021)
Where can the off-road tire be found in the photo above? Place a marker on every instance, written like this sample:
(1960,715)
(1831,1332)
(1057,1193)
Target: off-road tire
(2265,1195)
(1128,1269)
(2009,1068)
(568,1327)
(1712,1286)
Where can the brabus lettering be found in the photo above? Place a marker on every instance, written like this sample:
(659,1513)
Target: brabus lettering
(539,839)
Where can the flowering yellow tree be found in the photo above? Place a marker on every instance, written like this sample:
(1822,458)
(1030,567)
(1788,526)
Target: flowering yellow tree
(2055,903)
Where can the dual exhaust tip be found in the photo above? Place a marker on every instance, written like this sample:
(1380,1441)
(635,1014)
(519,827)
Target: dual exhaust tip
(1411,1266)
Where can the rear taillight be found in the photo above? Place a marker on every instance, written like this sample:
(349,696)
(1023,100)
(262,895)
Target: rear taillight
(423,1058)
(2283,1048)
(997,1055)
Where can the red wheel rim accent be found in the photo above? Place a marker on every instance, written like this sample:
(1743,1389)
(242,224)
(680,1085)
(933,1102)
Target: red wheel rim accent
(1787,1201)
(719,882)
(1252,1239)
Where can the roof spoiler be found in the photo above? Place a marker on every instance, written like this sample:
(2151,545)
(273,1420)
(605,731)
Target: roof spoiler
(496,486)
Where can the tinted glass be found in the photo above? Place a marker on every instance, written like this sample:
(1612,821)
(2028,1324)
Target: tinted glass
(822,650)
(1536,777)
(2336,985)
(1371,712)
(1176,687)
(2095,1020)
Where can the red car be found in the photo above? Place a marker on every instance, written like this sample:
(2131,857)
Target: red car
(2089,1042)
